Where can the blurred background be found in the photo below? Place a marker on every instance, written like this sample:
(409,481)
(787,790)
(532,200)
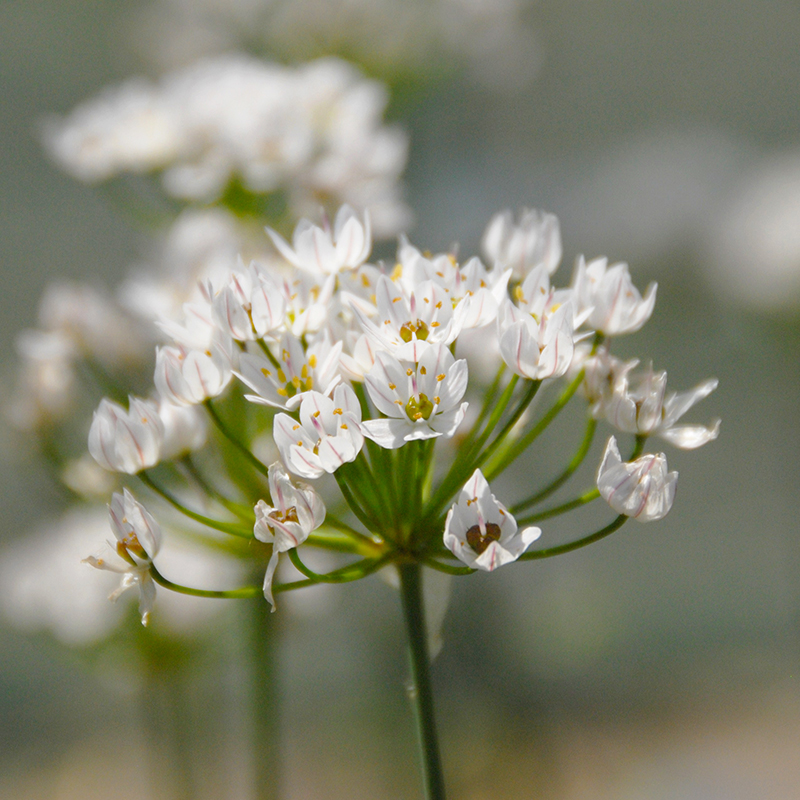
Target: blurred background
(662,663)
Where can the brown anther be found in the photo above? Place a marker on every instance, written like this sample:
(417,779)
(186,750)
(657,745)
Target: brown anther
(478,541)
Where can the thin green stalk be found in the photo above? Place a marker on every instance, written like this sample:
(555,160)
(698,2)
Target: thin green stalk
(556,483)
(363,516)
(226,527)
(504,458)
(230,594)
(422,691)
(234,440)
(488,402)
(342,575)
(241,511)
(570,546)
(448,569)
(581,500)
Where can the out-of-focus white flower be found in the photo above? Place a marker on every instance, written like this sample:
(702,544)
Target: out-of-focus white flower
(642,489)
(88,479)
(45,388)
(532,241)
(297,511)
(44,586)
(327,435)
(615,303)
(320,250)
(752,253)
(310,132)
(481,532)
(126,441)
(138,542)
(421,400)
(185,429)
(640,405)
(186,377)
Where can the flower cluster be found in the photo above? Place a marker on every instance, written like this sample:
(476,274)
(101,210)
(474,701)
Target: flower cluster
(236,124)
(359,370)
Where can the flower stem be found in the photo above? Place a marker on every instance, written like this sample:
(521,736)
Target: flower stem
(421,692)
(234,440)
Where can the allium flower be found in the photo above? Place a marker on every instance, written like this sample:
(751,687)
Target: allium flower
(126,441)
(138,542)
(327,435)
(421,400)
(481,532)
(642,489)
(300,370)
(187,377)
(298,510)
(533,241)
(406,322)
(639,405)
(537,336)
(615,303)
(322,250)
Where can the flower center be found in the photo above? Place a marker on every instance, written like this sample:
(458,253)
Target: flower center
(130,546)
(478,541)
(411,328)
(421,408)
(290,515)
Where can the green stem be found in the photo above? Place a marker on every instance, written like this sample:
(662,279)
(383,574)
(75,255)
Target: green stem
(226,527)
(570,546)
(240,510)
(342,575)
(230,594)
(234,440)
(422,692)
(505,457)
(582,500)
(556,483)
(265,712)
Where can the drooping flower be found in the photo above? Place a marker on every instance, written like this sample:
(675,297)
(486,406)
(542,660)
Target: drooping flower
(615,305)
(327,435)
(297,511)
(642,489)
(126,441)
(421,400)
(138,538)
(481,532)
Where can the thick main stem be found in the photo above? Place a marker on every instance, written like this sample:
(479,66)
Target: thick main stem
(421,692)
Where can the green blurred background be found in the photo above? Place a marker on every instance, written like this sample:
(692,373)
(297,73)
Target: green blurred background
(660,664)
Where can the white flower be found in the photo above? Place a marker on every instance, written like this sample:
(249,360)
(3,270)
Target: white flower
(138,542)
(327,435)
(481,532)
(615,303)
(322,250)
(421,400)
(642,489)
(533,241)
(299,370)
(126,441)
(407,322)
(639,405)
(297,511)
(185,429)
(187,377)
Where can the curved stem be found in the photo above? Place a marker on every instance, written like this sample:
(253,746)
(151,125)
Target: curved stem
(582,500)
(226,527)
(341,575)
(231,594)
(448,569)
(504,458)
(422,692)
(570,546)
(556,483)
(234,440)
(241,511)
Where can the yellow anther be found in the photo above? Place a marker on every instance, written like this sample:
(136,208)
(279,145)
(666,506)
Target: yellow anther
(441,377)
